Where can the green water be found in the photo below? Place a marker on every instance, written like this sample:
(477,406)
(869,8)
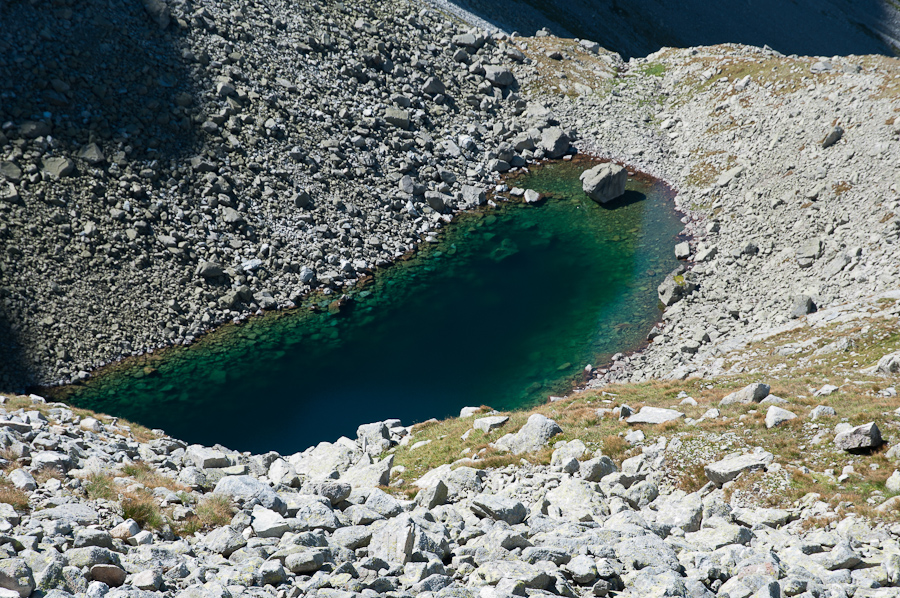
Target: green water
(506,310)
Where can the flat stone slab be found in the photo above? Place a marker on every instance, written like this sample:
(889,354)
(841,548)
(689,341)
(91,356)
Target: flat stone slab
(654,415)
(79,513)
(722,472)
(488,424)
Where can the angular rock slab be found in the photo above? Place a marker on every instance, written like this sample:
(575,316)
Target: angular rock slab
(489,424)
(499,508)
(654,415)
(245,488)
(724,471)
(776,416)
(492,572)
(532,436)
(752,393)
(864,437)
(604,182)
(554,142)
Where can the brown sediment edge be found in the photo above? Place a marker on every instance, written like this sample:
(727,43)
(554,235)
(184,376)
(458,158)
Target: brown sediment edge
(309,301)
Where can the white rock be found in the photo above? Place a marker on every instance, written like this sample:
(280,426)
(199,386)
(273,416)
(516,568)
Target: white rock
(776,416)
(654,415)
(489,424)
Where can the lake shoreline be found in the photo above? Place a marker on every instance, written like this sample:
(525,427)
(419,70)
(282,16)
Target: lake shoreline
(61,390)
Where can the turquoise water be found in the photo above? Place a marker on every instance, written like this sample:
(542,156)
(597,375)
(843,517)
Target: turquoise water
(506,310)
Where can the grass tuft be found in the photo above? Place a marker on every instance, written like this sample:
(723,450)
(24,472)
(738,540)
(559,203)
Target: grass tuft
(100,485)
(142,507)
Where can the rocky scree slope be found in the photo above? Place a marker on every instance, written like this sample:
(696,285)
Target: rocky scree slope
(93,507)
(212,159)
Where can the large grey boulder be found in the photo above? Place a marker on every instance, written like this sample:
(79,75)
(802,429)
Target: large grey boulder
(16,575)
(402,538)
(268,524)
(654,415)
(677,285)
(111,575)
(593,470)
(649,550)
(776,416)
(374,437)
(575,499)
(465,480)
(499,76)
(224,540)
(802,305)
(327,460)
(92,154)
(311,512)
(206,458)
(889,364)
(554,142)
(564,452)
(713,538)
(604,182)
(397,117)
(499,508)
(334,491)
(58,167)
(833,137)
(493,572)
(81,514)
(729,468)
(247,489)
(809,252)
(305,561)
(22,480)
(822,411)
(864,437)
(533,436)
(383,503)
(352,537)
(433,86)
(489,424)
(682,512)
(473,196)
(209,270)
(752,393)
(433,496)
(369,475)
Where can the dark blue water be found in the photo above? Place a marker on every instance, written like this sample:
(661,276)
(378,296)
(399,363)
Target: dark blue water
(506,310)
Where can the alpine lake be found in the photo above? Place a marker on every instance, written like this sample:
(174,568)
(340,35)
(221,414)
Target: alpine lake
(506,310)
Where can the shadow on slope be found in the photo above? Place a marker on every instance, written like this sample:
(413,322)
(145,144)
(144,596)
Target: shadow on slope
(95,71)
(12,373)
(75,72)
(633,28)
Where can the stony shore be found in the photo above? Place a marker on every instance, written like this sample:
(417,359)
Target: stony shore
(95,507)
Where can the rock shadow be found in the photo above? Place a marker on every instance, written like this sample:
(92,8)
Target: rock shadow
(638,28)
(626,199)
